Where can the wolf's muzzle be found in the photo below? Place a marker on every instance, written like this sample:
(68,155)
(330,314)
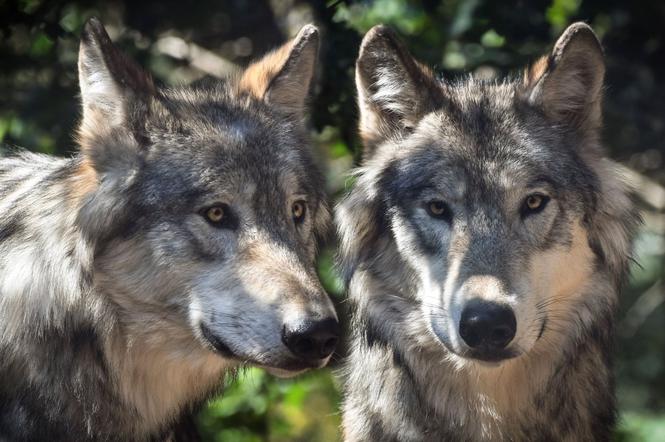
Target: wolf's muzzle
(312,341)
(487,327)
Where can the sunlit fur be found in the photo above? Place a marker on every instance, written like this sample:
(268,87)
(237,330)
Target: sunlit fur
(108,268)
(482,148)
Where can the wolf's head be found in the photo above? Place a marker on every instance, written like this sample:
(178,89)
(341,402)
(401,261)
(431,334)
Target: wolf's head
(494,196)
(205,207)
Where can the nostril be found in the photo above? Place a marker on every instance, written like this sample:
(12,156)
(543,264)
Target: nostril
(328,347)
(468,333)
(303,345)
(501,336)
(312,340)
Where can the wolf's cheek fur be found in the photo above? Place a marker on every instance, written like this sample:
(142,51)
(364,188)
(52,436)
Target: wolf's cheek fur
(556,279)
(237,317)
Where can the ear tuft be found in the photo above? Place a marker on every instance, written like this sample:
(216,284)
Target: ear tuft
(568,83)
(110,83)
(283,77)
(97,52)
(394,90)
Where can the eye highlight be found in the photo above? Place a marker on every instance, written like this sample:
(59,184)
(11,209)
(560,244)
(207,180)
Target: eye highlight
(439,210)
(534,203)
(298,211)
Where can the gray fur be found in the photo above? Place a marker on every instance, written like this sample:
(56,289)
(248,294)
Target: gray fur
(109,270)
(482,148)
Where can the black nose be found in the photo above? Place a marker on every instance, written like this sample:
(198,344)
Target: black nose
(487,325)
(312,340)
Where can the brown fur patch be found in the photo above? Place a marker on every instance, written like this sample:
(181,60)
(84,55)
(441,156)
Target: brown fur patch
(282,77)
(536,71)
(257,77)
(276,268)
(93,124)
(562,273)
(82,183)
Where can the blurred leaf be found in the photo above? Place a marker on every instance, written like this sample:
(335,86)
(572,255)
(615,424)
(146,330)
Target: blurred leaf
(29,6)
(463,18)
(403,15)
(5,122)
(634,427)
(72,19)
(331,280)
(338,150)
(41,45)
(492,40)
(559,13)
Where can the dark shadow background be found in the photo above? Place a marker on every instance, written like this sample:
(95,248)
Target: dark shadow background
(182,42)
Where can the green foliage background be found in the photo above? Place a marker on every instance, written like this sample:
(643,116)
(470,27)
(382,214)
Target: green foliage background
(184,42)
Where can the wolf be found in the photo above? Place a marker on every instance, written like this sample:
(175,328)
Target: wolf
(483,246)
(177,246)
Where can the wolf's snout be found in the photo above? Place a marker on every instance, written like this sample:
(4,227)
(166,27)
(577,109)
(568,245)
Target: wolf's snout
(487,326)
(312,340)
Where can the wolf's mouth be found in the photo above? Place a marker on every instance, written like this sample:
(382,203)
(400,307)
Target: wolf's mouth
(491,356)
(287,368)
(216,342)
(480,354)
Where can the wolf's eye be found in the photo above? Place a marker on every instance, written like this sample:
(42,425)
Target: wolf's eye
(439,210)
(534,203)
(215,215)
(298,211)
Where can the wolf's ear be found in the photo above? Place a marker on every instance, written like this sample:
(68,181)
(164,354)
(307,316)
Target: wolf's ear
(394,90)
(113,88)
(283,76)
(115,94)
(568,83)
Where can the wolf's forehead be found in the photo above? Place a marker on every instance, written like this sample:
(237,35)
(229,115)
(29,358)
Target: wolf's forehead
(506,172)
(474,117)
(464,164)
(472,93)
(237,130)
(217,114)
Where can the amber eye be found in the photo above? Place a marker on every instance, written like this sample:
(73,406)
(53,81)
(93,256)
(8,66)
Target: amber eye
(215,214)
(220,216)
(438,209)
(298,211)
(534,203)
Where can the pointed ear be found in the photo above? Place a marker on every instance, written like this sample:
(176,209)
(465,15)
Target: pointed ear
(283,77)
(568,83)
(394,90)
(113,88)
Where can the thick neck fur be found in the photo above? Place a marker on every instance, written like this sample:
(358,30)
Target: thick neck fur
(158,381)
(561,390)
(106,371)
